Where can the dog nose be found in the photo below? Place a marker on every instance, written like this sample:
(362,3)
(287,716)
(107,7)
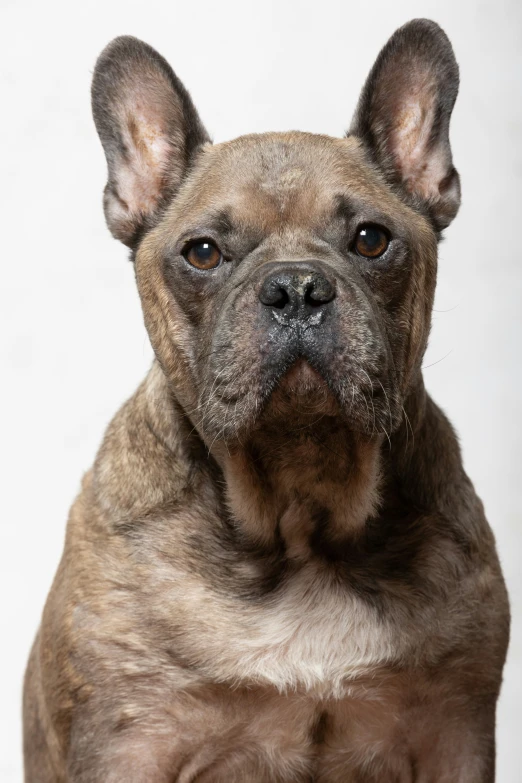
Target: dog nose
(296,292)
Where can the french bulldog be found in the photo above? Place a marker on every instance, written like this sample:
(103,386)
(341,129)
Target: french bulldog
(277,568)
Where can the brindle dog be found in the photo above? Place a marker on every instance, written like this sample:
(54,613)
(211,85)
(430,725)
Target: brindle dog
(277,569)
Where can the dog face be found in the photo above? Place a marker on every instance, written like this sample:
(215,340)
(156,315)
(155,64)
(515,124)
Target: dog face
(286,259)
(284,275)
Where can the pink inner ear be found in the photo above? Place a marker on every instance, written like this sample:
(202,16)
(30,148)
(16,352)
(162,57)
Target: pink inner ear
(141,176)
(148,119)
(422,168)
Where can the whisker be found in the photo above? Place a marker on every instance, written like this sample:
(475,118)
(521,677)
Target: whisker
(425,367)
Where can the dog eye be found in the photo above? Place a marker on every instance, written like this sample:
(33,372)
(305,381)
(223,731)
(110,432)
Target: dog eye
(203,255)
(371,241)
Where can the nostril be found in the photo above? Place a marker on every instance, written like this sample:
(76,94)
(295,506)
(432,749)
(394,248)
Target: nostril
(311,300)
(280,300)
(274,294)
(319,292)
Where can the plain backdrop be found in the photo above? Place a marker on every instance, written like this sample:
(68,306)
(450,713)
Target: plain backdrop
(73,346)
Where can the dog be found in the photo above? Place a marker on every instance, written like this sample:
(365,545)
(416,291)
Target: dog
(277,568)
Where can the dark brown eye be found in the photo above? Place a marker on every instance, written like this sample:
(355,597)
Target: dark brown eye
(203,255)
(371,241)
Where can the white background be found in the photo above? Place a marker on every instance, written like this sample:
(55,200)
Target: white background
(73,346)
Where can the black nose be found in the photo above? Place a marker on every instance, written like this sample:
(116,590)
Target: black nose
(296,291)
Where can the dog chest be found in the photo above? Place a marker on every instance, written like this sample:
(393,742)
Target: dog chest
(314,635)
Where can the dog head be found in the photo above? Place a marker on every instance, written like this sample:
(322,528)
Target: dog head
(284,272)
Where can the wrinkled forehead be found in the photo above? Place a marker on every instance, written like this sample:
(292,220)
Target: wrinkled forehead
(275,180)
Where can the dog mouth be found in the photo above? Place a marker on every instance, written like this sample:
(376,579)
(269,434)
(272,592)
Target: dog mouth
(301,393)
(294,380)
(302,379)
(299,397)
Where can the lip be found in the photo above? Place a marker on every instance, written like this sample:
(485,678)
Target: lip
(302,378)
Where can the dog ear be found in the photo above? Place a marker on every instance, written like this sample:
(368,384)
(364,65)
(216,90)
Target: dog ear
(403,117)
(149,129)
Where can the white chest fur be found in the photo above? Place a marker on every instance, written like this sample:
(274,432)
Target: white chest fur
(313,635)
